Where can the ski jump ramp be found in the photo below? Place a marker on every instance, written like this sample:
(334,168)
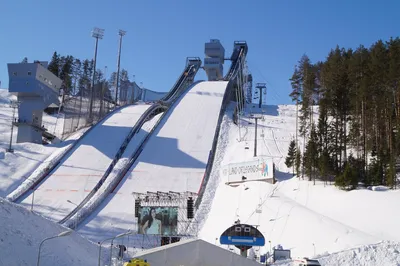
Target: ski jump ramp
(81,169)
(173,159)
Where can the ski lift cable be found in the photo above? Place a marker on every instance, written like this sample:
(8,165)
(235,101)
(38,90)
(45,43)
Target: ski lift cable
(275,94)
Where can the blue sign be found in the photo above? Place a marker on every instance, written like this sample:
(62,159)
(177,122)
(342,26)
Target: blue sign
(242,235)
(242,240)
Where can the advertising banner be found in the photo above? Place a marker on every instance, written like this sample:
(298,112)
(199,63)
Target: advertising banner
(259,169)
(158,220)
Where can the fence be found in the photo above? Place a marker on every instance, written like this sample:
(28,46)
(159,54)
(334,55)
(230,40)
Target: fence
(76,109)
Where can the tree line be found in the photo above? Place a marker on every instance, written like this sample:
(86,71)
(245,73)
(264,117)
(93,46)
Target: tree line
(349,116)
(77,74)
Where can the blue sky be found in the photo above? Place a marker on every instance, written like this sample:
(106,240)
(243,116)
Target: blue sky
(161,34)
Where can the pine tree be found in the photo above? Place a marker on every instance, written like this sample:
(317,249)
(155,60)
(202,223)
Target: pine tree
(76,73)
(391,175)
(347,179)
(298,162)
(54,65)
(295,81)
(123,87)
(84,80)
(290,159)
(311,155)
(66,73)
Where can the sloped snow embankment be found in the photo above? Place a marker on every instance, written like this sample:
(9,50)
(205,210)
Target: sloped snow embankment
(385,253)
(214,180)
(22,231)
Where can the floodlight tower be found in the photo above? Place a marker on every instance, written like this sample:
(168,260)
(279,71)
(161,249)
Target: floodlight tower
(97,34)
(121,34)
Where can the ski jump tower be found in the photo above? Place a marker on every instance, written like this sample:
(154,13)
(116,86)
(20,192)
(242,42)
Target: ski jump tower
(214,60)
(36,88)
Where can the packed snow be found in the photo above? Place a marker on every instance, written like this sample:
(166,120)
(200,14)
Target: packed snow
(174,158)
(21,232)
(81,169)
(96,221)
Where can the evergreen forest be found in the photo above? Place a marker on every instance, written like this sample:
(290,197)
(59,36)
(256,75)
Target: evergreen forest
(348,113)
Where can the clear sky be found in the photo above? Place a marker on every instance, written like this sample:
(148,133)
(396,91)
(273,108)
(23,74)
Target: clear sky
(161,34)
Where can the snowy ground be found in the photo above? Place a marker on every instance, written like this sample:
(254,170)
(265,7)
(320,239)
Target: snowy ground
(306,219)
(16,167)
(21,232)
(81,169)
(173,159)
(340,228)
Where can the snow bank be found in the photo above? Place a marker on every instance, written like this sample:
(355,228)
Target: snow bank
(214,180)
(22,231)
(378,188)
(384,253)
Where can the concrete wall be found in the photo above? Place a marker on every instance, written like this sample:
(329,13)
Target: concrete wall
(194,253)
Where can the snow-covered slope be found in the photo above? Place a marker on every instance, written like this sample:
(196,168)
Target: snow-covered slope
(306,219)
(174,159)
(17,166)
(84,165)
(98,200)
(21,232)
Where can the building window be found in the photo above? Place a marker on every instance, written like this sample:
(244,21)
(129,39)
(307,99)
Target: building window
(15,73)
(29,73)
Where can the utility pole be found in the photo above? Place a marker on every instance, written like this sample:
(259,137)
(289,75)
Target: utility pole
(97,34)
(121,34)
(255,137)
(14,105)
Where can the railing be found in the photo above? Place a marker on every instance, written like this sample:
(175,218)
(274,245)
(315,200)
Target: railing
(238,56)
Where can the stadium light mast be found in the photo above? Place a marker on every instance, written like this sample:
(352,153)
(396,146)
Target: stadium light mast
(121,33)
(97,34)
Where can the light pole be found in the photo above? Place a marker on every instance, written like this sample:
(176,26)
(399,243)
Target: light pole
(121,33)
(270,247)
(14,105)
(129,232)
(65,233)
(97,34)
(112,240)
(314,248)
(76,219)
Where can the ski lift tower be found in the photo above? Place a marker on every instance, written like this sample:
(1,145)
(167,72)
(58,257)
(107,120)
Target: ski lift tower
(262,87)
(36,88)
